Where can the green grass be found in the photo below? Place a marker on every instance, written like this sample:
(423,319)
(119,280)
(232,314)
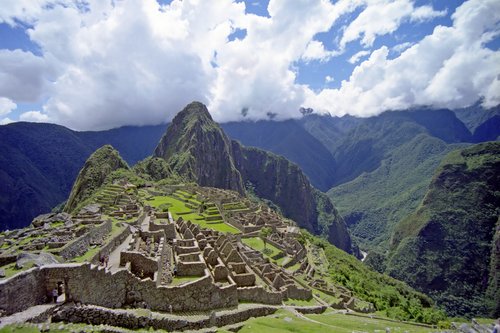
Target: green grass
(258,244)
(87,255)
(57,224)
(325,297)
(69,328)
(282,261)
(344,323)
(175,205)
(179,209)
(11,270)
(178,280)
(283,321)
(294,267)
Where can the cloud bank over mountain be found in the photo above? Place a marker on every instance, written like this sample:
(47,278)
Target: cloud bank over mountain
(99,64)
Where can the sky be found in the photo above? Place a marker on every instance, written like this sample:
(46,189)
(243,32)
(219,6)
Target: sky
(100,64)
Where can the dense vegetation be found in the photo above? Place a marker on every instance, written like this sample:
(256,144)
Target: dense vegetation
(96,169)
(289,139)
(445,248)
(395,298)
(375,202)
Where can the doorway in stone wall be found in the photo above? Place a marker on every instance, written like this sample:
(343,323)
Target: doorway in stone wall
(61,292)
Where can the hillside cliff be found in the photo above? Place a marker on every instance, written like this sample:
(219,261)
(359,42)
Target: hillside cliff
(99,165)
(196,147)
(446,248)
(288,139)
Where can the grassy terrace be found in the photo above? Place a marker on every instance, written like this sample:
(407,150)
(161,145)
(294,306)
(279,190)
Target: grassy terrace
(257,244)
(178,280)
(285,321)
(179,209)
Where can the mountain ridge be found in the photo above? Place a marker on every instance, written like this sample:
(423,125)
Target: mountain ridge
(444,247)
(197,148)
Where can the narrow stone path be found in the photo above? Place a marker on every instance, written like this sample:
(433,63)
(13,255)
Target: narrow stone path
(26,315)
(114,257)
(145,224)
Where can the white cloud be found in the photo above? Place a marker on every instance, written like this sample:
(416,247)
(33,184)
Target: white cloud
(449,68)
(381,17)
(34,116)
(401,47)
(357,57)
(6,106)
(5,121)
(315,50)
(425,13)
(23,76)
(329,79)
(135,62)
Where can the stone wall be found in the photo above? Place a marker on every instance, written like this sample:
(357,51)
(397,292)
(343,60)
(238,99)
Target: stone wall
(111,245)
(23,290)
(191,268)
(7,259)
(257,294)
(140,265)
(168,228)
(81,245)
(311,309)
(89,284)
(292,291)
(97,315)
(276,244)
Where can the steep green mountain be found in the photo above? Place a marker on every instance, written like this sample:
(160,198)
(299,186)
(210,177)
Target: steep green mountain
(365,142)
(330,131)
(33,184)
(373,203)
(384,165)
(100,165)
(488,131)
(475,115)
(445,247)
(282,182)
(289,139)
(153,168)
(196,147)
(38,164)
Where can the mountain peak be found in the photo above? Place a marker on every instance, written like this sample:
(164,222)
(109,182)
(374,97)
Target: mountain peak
(194,110)
(196,147)
(97,167)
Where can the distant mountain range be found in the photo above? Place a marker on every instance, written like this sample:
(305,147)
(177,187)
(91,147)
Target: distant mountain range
(332,151)
(408,184)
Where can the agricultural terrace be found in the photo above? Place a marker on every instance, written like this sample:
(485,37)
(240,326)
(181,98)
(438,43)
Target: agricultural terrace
(182,204)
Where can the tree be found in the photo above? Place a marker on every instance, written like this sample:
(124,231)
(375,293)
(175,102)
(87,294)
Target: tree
(264,233)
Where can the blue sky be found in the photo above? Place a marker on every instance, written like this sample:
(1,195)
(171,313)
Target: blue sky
(98,64)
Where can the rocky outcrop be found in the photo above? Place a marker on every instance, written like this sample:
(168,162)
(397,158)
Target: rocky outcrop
(100,164)
(153,168)
(277,179)
(196,147)
(444,247)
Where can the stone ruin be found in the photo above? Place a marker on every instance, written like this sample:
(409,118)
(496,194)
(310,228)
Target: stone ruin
(162,264)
